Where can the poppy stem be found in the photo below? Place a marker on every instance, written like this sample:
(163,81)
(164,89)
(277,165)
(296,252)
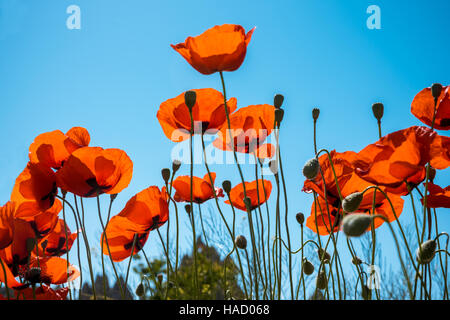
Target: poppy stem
(130,259)
(66,242)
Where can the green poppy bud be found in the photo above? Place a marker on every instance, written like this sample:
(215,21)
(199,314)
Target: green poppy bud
(315,113)
(354,225)
(436,90)
(190,98)
(308,267)
(176,164)
(425,253)
(323,256)
(273,166)
(188,209)
(356,261)
(278,101)
(165,174)
(311,168)
(140,290)
(300,218)
(226,185)
(279,115)
(352,202)
(366,293)
(378,110)
(241,242)
(321,280)
(248,203)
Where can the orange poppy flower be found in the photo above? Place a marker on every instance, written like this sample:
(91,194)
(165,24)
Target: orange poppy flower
(34,191)
(208,114)
(93,170)
(53,148)
(6,225)
(54,243)
(43,292)
(120,235)
(44,222)
(202,189)
(16,253)
(401,157)
(249,127)
(7,277)
(257,191)
(423,108)
(53,270)
(438,197)
(149,208)
(221,48)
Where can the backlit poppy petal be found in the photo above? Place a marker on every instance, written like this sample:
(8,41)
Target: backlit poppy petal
(202,189)
(42,293)
(6,224)
(437,197)
(80,136)
(54,270)
(257,191)
(423,108)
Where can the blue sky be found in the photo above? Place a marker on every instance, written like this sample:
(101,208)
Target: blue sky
(111,76)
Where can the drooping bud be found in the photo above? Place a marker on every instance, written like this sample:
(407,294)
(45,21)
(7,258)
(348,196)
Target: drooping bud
(311,168)
(176,164)
(30,244)
(356,261)
(273,166)
(308,267)
(278,101)
(300,218)
(425,253)
(321,280)
(323,256)
(354,225)
(140,290)
(279,115)
(190,97)
(188,209)
(352,202)
(165,174)
(241,242)
(436,90)
(226,185)
(315,113)
(378,110)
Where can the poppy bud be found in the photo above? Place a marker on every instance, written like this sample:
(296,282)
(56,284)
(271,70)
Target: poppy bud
(352,202)
(315,113)
(317,295)
(248,203)
(354,225)
(425,253)
(308,267)
(279,114)
(323,255)
(273,166)
(190,98)
(241,242)
(311,168)
(436,90)
(140,290)
(33,275)
(366,293)
(321,280)
(432,173)
(176,164)
(226,185)
(278,101)
(30,244)
(165,174)
(378,110)
(356,261)
(188,209)
(300,218)
(113,197)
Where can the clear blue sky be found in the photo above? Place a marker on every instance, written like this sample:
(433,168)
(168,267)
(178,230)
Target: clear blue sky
(111,76)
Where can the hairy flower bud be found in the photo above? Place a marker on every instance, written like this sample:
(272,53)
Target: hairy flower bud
(315,113)
(278,101)
(352,202)
(190,98)
(188,209)
(140,290)
(300,218)
(321,280)
(425,253)
(308,267)
(165,174)
(378,110)
(311,168)
(436,90)
(356,261)
(241,242)
(354,225)
(176,164)
(323,255)
(279,115)
(273,166)
(226,185)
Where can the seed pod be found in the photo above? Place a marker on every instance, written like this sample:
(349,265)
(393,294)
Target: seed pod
(323,255)
(354,225)
(315,114)
(190,98)
(352,202)
(311,168)
(165,174)
(300,218)
(378,110)
(308,267)
(436,90)
(356,261)
(241,242)
(140,290)
(278,101)
(226,185)
(321,280)
(425,253)
(176,164)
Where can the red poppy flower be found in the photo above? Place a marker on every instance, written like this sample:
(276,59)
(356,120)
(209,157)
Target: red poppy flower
(208,114)
(423,108)
(55,242)
(43,292)
(221,48)
(53,270)
(249,127)
(46,221)
(438,197)
(257,191)
(6,225)
(148,209)
(202,189)
(93,170)
(53,148)
(401,157)
(349,182)
(120,236)
(34,191)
